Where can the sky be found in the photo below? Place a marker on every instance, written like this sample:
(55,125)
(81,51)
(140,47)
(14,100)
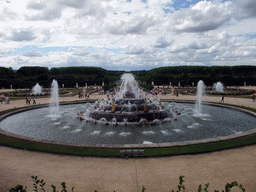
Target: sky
(127,34)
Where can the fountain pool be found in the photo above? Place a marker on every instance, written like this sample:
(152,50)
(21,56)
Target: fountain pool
(68,128)
(129,118)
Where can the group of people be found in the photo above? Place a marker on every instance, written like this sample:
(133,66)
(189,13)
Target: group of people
(28,101)
(112,94)
(158,91)
(81,95)
(7,101)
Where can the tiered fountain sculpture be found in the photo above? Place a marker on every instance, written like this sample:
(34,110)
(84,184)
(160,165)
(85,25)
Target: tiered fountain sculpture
(130,105)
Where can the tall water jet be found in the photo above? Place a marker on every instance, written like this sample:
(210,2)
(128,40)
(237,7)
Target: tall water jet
(37,89)
(129,87)
(54,103)
(199,97)
(218,87)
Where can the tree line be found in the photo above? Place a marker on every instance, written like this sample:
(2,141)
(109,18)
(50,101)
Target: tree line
(27,77)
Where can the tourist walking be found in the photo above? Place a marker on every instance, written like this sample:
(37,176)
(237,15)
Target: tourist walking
(34,101)
(222,98)
(28,101)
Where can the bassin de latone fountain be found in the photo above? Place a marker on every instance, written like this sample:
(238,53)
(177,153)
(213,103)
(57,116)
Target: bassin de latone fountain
(131,117)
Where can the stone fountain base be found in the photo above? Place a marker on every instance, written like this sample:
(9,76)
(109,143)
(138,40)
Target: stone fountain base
(129,116)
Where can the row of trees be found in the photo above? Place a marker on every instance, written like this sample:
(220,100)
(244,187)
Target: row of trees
(186,75)
(27,77)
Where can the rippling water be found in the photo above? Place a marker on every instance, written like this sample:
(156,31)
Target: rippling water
(213,122)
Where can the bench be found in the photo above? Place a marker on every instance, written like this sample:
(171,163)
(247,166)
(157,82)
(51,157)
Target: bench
(132,153)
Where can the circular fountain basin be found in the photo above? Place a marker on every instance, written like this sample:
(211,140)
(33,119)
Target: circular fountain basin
(67,128)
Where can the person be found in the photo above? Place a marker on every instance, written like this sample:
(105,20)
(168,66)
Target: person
(88,95)
(28,101)
(34,101)
(253,98)
(7,101)
(222,98)
(1,101)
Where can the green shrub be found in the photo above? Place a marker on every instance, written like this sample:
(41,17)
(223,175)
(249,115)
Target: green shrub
(181,186)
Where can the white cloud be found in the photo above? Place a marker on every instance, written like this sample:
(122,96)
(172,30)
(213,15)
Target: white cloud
(138,24)
(6,52)
(7,14)
(118,34)
(22,35)
(33,53)
(80,52)
(245,9)
(161,42)
(35,5)
(204,16)
(135,50)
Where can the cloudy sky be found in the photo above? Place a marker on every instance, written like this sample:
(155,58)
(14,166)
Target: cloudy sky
(127,34)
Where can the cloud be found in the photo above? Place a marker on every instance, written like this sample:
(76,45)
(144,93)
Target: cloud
(78,4)
(6,52)
(7,14)
(32,53)
(118,34)
(204,16)
(132,25)
(52,10)
(161,42)
(245,9)
(35,5)
(46,14)
(22,35)
(94,8)
(80,52)
(135,50)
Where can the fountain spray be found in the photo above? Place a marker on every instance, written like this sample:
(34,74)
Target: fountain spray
(199,97)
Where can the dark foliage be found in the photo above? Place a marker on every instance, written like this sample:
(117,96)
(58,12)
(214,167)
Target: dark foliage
(27,77)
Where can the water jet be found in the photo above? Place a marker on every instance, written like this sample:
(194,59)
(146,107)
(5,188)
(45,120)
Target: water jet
(37,89)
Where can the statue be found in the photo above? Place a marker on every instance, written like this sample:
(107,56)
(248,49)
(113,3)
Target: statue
(113,110)
(145,108)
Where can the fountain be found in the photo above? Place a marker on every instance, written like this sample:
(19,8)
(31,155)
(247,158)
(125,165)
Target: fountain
(54,103)
(128,118)
(199,97)
(129,105)
(218,87)
(37,89)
